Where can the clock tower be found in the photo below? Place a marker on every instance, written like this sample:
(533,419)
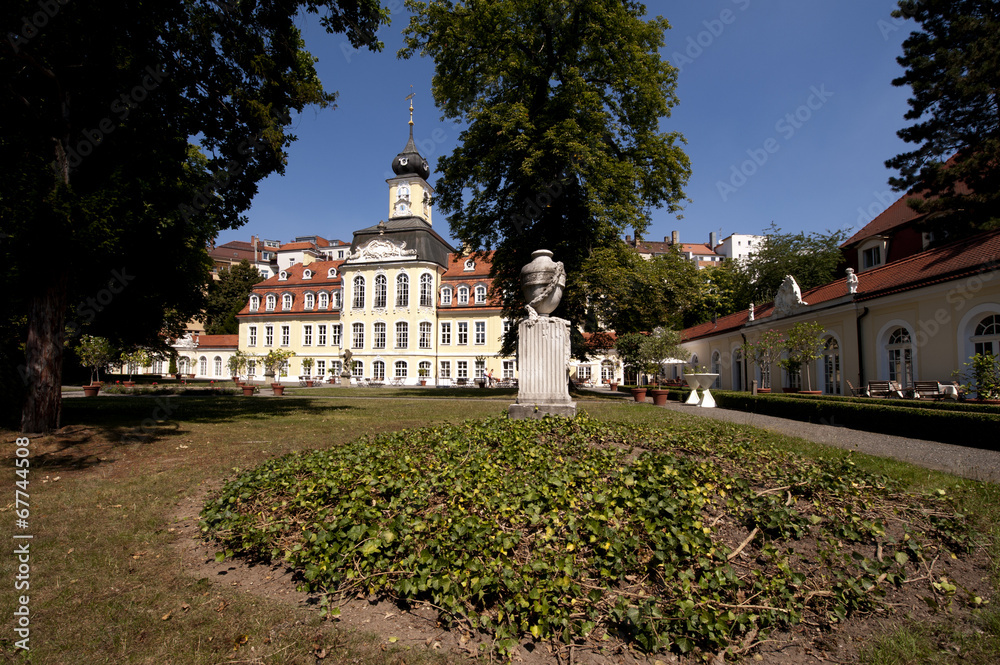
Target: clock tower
(409,193)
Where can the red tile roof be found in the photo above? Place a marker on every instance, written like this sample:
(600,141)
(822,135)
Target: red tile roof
(293,246)
(456,266)
(897,214)
(962,258)
(218,341)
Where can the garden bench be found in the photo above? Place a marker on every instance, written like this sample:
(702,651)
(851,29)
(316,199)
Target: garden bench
(878,388)
(930,389)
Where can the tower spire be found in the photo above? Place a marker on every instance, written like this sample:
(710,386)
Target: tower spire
(410,99)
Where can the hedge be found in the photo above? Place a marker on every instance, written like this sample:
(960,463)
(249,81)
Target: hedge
(970,425)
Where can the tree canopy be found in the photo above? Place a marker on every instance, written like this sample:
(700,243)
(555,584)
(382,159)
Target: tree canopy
(631,294)
(227,296)
(105,207)
(952,65)
(561,148)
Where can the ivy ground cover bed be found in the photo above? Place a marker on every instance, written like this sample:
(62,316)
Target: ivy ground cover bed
(586,532)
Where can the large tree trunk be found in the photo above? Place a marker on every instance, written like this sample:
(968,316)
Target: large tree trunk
(44,353)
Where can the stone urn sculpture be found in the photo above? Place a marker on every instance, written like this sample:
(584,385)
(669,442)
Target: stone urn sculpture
(542,282)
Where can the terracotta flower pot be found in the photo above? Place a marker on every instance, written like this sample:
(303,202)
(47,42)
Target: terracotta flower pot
(278,389)
(639,394)
(91,390)
(128,384)
(659,396)
(766,391)
(309,384)
(613,387)
(247,390)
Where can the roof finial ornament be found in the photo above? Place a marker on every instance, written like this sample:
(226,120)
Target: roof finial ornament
(409,98)
(381,227)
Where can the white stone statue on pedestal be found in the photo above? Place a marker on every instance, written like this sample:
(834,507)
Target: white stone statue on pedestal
(852,281)
(543,343)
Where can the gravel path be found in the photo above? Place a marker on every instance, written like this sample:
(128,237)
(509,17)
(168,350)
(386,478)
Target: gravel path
(971,463)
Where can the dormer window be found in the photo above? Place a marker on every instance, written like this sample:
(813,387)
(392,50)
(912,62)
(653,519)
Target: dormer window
(480,294)
(309,301)
(470,265)
(463,295)
(446,295)
(286,301)
(270,302)
(282,276)
(307,274)
(331,273)
(254,303)
(871,257)
(337,299)
(324,300)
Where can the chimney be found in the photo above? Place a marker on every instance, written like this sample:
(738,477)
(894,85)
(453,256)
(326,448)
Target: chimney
(666,240)
(713,240)
(628,241)
(675,238)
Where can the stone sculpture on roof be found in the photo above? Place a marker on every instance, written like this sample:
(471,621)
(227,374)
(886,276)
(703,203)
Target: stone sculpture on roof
(788,299)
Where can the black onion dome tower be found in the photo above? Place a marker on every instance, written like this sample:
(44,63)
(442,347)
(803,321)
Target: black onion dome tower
(409,161)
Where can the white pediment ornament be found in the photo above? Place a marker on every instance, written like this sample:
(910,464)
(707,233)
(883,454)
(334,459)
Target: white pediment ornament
(382,249)
(788,299)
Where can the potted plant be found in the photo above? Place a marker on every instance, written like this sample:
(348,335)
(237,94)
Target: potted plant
(307,365)
(981,376)
(237,363)
(764,353)
(172,366)
(272,362)
(423,372)
(95,353)
(138,357)
(629,350)
(804,344)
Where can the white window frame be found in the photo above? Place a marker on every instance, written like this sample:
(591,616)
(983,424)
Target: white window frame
(446,296)
(252,336)
(307,334)
(426,331)
(445,337)
(286,335)
(463,295)
(357,335)
(268,335)
(321,334)
(462,333)
(379,335)
(402,334)
(480,332)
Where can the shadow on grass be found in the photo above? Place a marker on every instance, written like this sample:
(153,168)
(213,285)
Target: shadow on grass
(95,427)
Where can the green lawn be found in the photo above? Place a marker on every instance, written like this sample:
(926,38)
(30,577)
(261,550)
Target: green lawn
(107,581)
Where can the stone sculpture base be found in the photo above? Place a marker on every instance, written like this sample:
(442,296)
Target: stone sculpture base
(543,360)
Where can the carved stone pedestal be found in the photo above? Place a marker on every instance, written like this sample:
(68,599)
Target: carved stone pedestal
(543,361)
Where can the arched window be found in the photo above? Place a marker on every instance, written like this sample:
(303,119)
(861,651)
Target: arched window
(337,299)
(400,368)
(331,273)
(424,369)
(357,335)
(324,300)
(282,276)
(378,336)
(480,294)
(203,366)
(737,369)
(378,370)
(183,363)
(986,339)
(425,334)
(899,350)
(307,274)
(359,292)
(218,366)
(358,370)
(463,295)
(270,302)
(831,367)
(446,295)
(402,290)
(254,303)
(426,290)
(309,301)
(286,301)
(380,291)
(470,265)
(402,334)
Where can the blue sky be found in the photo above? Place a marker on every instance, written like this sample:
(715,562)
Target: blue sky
(787,107)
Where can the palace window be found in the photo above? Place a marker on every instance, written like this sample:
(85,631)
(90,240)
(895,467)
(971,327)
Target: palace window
(831,367)
(402,334)
(426,290)
(380,292)
(900,352)
(400,368)
(446,295)
(268,335)
(359,292)
(508,369)
(378,370)
(335,334)
(358,370)
(480,294)
(321,335)
(463,369)
(286,335)
(307,335)
(203,366)
(254,303)
(463,332)
(480,332)
(357,335)
(445,372)
(286,301)
(402,290)
(425,335)
(424,369)
(269,302)
(463,295)
(324,300)
(217,366)
(445,332)
(378,336)
(309,301)
(252,336)
(480,368)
